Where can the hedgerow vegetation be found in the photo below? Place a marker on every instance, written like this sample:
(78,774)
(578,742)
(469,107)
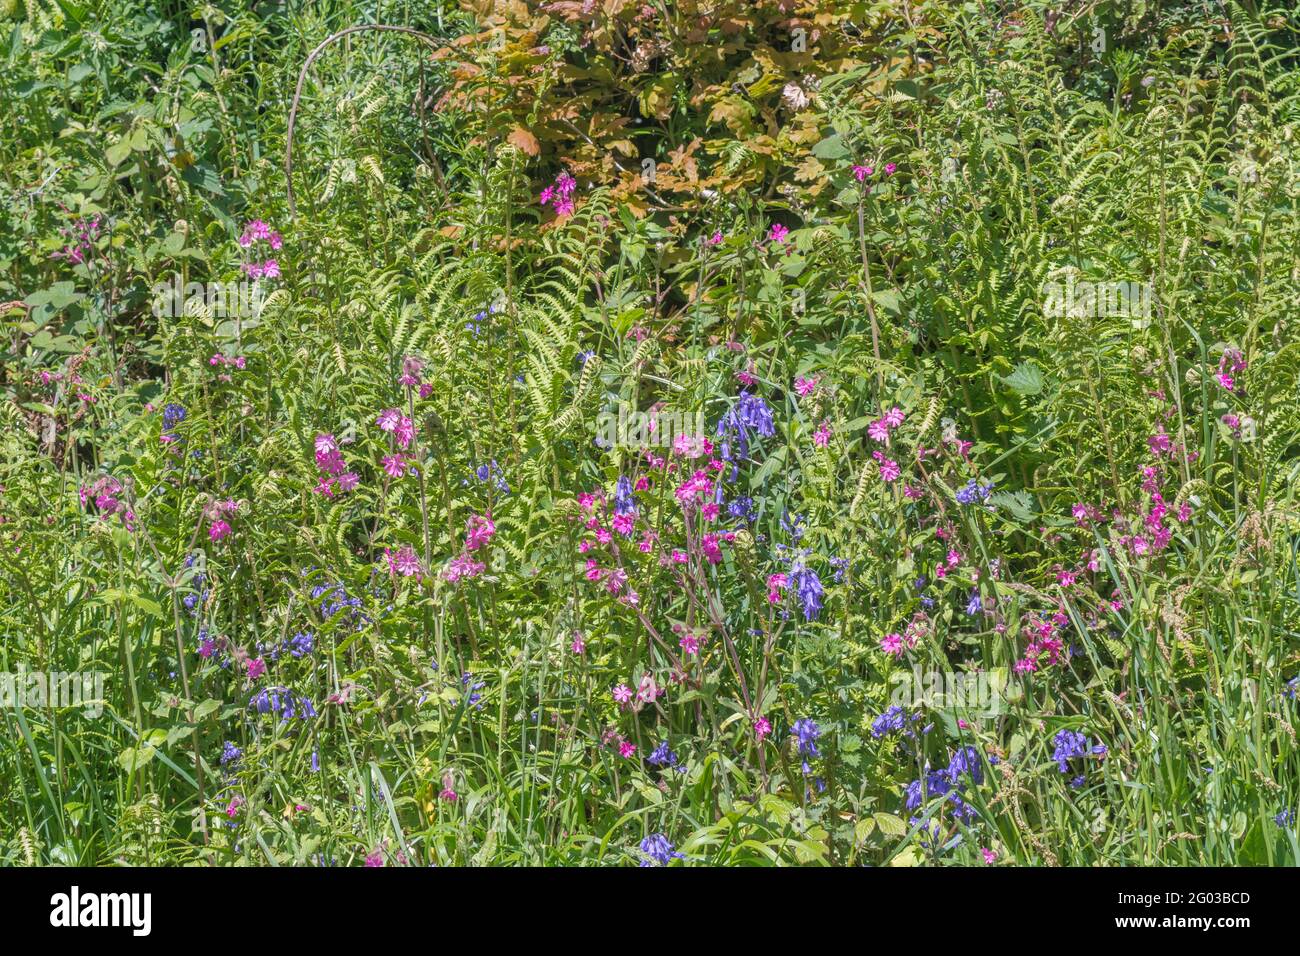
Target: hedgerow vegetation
(677,433)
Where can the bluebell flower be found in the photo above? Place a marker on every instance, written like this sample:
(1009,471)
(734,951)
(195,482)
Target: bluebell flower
(808,587)
(974,493)
(230,753)
(742,509)
(282,702)
(840,565)
(966,762)
(301,644)
(750,415)
(624,503)
(661,756)
(893,719)
(658,850)
(475,698)
(173,415)
(807,732)
(334,599)
(794,527)
(1069,744)
(1286,818)
(973,606)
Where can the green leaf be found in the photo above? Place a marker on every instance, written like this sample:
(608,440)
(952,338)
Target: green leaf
(1025,379)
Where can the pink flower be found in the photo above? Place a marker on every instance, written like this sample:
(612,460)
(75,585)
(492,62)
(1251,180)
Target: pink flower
(688,446)
(447,795)
(479,530)
(776,583)
(578,646)
(699,487)
(463,566)
(256,668)
(405,432)
(862,172)
(626,749)
(822,435)
(778,233)
(892,644)
(805,386)
(762,727)
(889,169)
(410,376)
(394,465)
(690,643)
(218,530)
(559,195)
(647,691)
(622,694)
(325,445)
(989,856)
(403,561)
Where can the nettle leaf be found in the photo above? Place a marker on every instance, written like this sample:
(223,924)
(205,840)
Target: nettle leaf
(832,147)
(1025,379)
(1019,503)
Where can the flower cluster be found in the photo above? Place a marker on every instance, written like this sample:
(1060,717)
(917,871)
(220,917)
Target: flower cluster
(105,493)
(217,512)
(80,236)
(283,703)
(1071,746)
(964,769)
(559,195)
(255,232)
